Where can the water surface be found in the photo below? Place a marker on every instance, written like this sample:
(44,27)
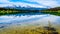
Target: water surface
(29,19)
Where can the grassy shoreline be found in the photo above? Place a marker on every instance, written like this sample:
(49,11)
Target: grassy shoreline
(54,11)
(3,12)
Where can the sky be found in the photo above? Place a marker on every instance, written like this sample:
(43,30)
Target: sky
(31,3)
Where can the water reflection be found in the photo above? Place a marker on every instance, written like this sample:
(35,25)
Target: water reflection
(29,19)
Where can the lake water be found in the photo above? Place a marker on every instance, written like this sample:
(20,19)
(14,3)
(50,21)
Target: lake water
(29,19)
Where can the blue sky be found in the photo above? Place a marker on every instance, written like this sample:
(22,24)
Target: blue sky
(31,3)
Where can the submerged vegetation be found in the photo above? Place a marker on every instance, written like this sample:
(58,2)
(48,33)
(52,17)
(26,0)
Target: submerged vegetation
(30,30)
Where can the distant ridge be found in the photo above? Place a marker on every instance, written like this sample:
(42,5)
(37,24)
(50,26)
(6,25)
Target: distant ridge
(28,8)
(54,9)
(22,8)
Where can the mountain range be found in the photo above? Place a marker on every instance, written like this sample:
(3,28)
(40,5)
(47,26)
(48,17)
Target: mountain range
(28,8)
(22,8)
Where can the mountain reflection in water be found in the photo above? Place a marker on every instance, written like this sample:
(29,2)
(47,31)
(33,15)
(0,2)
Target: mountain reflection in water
(30,19)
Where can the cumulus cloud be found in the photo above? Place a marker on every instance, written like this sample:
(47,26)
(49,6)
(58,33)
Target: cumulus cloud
(4,1)
(51,3)
(31,3)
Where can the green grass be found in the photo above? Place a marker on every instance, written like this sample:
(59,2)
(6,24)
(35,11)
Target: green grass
(52,12)
(4,12)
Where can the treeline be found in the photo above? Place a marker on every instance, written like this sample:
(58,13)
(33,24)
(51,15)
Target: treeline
(12,9)
(4,11)
(54,11)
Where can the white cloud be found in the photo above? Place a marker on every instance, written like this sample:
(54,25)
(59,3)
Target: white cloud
(4,5)
(41,3)
(21,4)
(27,4)
(51,3)
(4,1)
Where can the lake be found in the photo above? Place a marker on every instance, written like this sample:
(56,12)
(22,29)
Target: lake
(24,22)
(29,19)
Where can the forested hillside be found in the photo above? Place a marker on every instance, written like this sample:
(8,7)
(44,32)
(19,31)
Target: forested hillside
(55,11)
